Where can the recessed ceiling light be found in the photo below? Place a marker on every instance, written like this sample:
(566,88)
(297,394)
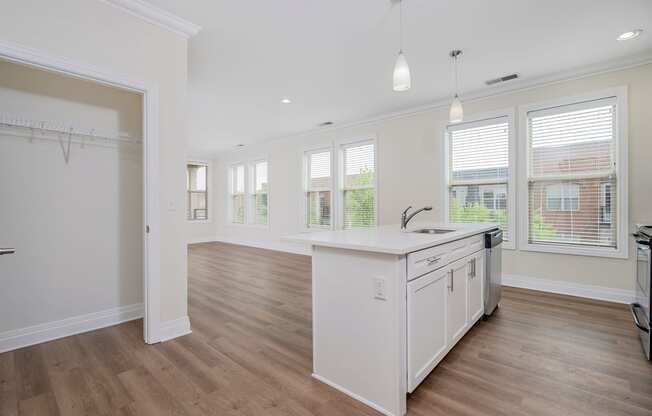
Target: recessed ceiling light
(286,101)
(239,145)
(630,35)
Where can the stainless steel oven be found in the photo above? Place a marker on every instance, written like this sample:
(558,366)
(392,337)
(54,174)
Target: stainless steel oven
(641,307)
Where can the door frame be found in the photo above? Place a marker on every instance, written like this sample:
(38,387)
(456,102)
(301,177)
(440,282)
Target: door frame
(151,196)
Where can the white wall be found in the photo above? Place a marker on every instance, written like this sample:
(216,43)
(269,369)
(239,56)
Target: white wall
(77,227)
(409,173)
(99,34)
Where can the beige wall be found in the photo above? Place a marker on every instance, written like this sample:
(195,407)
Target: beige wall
(96,33)
(77,226)
(409,173)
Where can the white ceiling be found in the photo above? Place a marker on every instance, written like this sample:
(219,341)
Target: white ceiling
(334,58)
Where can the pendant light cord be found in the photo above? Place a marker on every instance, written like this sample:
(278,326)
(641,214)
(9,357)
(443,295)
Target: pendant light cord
(455,71)
(400,25)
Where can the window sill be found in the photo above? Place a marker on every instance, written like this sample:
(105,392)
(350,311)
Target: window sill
(199,221)
(577,251)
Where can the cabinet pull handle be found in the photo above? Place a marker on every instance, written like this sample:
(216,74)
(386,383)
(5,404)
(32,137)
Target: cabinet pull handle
(451,286)
(432,260)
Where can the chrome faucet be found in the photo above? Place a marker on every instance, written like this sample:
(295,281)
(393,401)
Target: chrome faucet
(406,218)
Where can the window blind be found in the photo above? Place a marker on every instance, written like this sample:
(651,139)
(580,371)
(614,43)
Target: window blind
(260,196)
(197,200)
(572,174)
(359,193)
(318,189)
(479,172)
(238,194)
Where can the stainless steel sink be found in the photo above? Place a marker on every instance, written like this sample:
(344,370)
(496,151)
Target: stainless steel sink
(432,231)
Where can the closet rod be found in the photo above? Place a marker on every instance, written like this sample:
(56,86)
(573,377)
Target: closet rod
(40,127)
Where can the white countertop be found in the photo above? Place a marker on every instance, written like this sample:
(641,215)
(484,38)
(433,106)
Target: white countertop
(389,238)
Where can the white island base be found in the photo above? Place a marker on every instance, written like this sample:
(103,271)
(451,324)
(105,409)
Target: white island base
(389,305)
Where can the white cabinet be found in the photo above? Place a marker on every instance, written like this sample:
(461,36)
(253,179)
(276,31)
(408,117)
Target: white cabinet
(457,308)
(476,286)
(443,304)
(427,341)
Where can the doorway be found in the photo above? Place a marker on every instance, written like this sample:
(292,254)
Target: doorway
(53,153)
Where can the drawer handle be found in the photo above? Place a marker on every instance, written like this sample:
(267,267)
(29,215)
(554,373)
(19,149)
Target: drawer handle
(472,268)
(432,260)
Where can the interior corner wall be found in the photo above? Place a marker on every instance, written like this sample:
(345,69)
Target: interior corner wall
(98,34)
(410,172)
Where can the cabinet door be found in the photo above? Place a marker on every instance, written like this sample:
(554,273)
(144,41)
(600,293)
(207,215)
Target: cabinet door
(457,308)
(476,286)
(426,329)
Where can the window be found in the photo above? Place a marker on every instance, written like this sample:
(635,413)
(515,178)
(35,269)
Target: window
(563,197)
(359,185)
(605,203)
(238,194)
(196,191)
(249,193)
(479,173)
(573,177)
(259,196)
(318,189)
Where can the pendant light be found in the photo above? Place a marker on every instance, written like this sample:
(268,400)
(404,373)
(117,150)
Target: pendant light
(402,80)
(456,112)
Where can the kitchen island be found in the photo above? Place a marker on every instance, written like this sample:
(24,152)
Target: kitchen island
(388,305)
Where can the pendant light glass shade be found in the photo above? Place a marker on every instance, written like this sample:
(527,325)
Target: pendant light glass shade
(456,112)
(402,80)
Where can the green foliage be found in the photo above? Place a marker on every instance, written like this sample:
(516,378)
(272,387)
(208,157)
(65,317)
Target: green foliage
(539,229)
(360,203)
(476,213)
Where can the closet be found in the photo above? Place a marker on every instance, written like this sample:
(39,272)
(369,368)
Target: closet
(71,203)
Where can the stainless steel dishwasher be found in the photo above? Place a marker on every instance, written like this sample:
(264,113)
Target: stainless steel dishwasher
(493,244)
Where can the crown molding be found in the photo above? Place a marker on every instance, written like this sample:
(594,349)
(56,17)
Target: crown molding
(156,16)
(477,95)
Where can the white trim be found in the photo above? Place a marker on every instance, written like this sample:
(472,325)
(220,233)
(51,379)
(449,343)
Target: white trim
(353,395)
(278,245)
(510,114)
(484,94)
(156,16)
(175,328)
(36,334)
(567,288)
(151,196)
(622,199)
(200,239)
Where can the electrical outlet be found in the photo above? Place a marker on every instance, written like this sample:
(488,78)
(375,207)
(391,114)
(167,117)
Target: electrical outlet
(380,288)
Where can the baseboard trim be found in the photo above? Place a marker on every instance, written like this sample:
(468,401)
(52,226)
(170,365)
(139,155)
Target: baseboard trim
(268,245)
(200,239)
(353,395)
(175,328)
(24,337)
(566,288)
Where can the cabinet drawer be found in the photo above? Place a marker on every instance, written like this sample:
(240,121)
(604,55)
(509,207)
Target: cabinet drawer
(430,259)
(425,261)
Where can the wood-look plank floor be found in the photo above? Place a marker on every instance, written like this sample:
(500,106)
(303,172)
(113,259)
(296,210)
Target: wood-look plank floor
(250,354)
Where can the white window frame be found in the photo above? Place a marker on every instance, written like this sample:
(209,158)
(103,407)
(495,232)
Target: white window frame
(622,218)
(307,152)
(341,147)
(249,191)
(230,194)
(209,190)
(482,119)
(336,148)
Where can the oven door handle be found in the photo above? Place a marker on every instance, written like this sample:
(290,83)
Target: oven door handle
(633,307)
(643,242)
